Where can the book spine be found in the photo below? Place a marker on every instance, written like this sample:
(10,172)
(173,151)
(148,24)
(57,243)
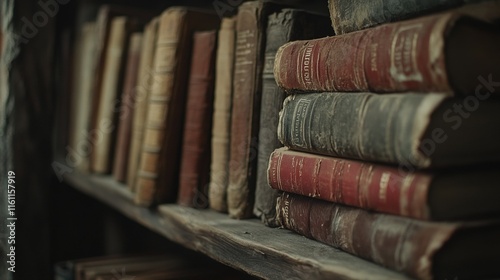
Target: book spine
(222,116)
(126,109)
(398,243)
(349,16)
(82,95)
(283,26)
(158,175)
(141,97)
(250,26)
(396,57)
(101,161)
(195,163)
(165,63)
(365,126)
(365,185)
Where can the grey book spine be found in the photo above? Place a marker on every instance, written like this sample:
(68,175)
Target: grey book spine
(284,26)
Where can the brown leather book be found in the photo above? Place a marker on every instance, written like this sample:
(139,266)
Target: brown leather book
(112,75)
(158,175)
(423,250)
(195,162)
(141,97)
(127,108)
(221,123)
(247,86)
(446,52)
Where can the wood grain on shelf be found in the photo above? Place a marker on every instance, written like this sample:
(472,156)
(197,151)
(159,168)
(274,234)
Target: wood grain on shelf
(268,253)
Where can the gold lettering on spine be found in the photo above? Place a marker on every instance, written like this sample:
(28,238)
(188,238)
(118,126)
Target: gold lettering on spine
(298,121)
(305,66)
(404,64)
(383,184)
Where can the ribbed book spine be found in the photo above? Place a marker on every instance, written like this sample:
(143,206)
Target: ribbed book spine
(158,175)
(141,97)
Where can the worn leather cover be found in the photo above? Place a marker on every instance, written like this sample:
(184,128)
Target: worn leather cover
(126,112)
(284,26)
(196,152)
(251,24)
(158,175)
(410,55)
(420,249)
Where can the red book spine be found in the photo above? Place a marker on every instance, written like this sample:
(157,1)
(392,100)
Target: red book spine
(406,245)
(401,56)
(195,162)
(360,184)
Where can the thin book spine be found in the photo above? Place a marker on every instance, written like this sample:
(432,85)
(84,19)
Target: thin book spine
(222,116)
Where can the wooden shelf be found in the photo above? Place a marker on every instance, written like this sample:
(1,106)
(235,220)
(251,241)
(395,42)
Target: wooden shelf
(268,253)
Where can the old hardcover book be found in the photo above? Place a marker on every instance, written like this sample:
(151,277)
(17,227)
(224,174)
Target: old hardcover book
(158,175)
(141,97)
(81,105)
(251,24)
(348,16)
(111,86)
(444,195)
(195,159)
(221,123)
(282,27)
(445,52)
(105,16)
(127,108)
(424,250)
(409,129)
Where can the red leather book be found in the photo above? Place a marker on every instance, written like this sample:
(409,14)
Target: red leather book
(385,188)
(120,163)
(444,52)
(195,162)
(420,249)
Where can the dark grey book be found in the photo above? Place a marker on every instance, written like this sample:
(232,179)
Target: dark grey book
(409,129)
(284,26)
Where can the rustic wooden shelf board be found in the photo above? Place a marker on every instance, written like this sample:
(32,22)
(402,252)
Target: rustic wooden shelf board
(268,253)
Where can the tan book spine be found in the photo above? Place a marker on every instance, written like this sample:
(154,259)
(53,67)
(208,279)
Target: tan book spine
(80,146)
(158,171)
(105,125)
(222,116)
(126,108)
(144,81)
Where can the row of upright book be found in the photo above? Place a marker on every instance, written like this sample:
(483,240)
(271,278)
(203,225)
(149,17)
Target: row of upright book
(381,140)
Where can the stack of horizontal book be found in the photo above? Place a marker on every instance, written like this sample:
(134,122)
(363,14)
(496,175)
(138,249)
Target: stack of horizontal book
(391,144)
